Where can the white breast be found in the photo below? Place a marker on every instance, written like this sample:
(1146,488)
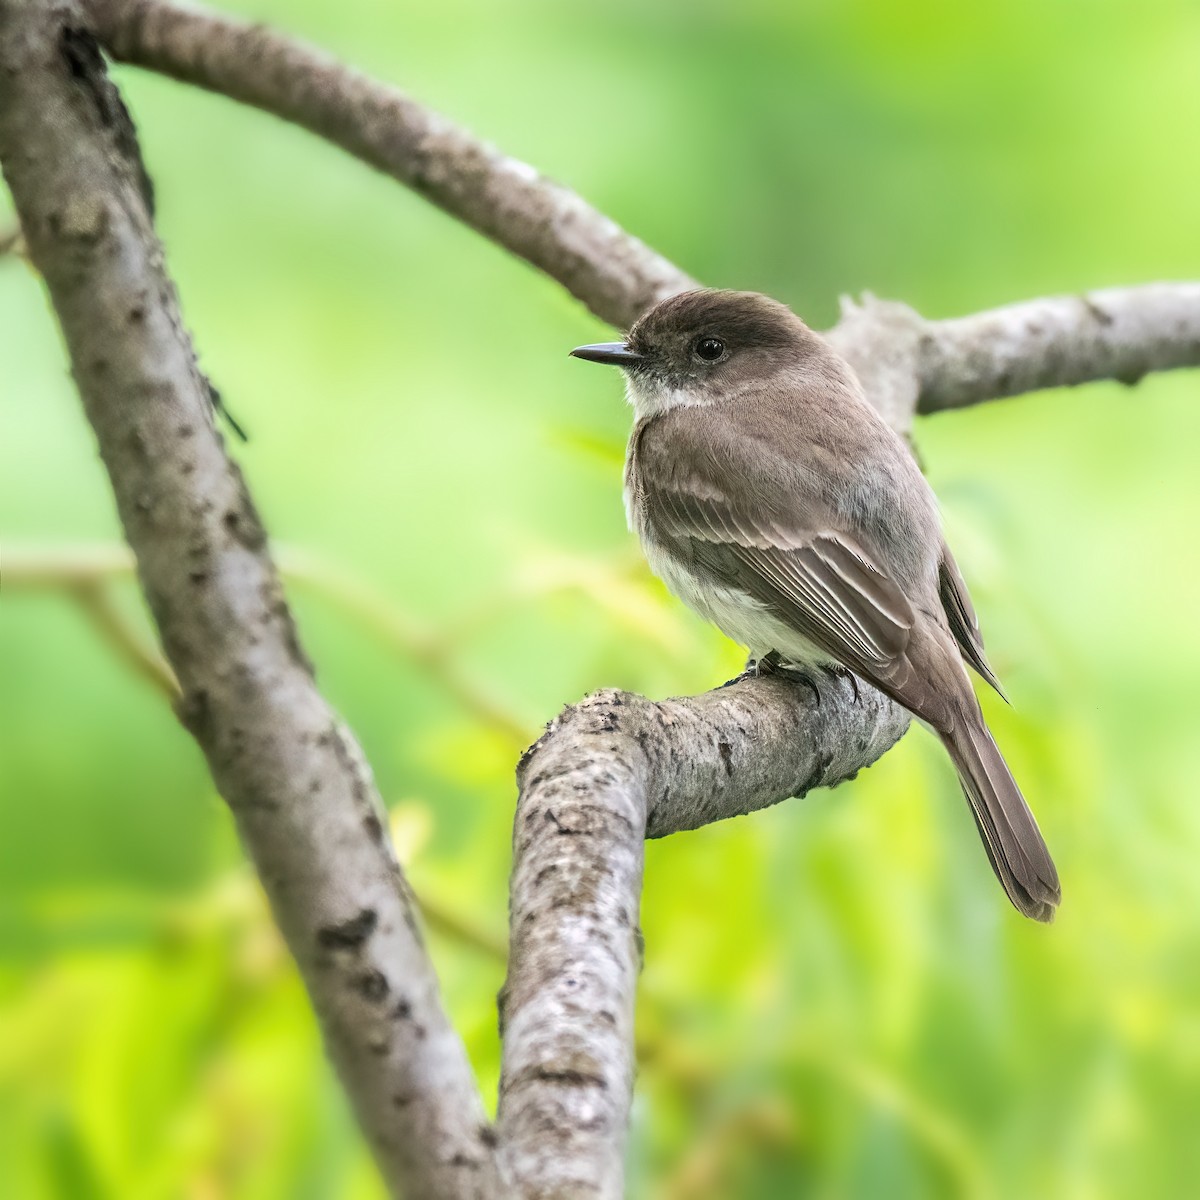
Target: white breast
(739,616)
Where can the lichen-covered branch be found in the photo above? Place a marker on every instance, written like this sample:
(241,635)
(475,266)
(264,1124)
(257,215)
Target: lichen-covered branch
(293,775)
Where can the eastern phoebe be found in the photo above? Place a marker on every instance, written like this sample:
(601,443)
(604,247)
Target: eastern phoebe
(771,498)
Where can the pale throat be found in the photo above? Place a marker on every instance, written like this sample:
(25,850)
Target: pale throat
(648,395)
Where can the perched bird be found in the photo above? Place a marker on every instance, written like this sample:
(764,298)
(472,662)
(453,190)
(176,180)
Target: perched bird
(771,498)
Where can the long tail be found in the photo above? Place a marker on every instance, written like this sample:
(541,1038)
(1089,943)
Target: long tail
(1010,834)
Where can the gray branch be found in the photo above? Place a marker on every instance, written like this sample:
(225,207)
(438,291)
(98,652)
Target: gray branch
(1117,333)
(303,797)
(908,363)
(608,773)
(546,224)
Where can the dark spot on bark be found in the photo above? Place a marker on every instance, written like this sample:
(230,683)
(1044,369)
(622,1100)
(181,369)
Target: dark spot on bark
(463,1160)
(378,1046)
(725,750)
(349,934)
(488,1136)
(373,827)
(82,54)
(502,1008)
(399,1100)
(401,1010)
(137,313)
(194,714)
(85,64)
(242,522)
(371,985)
(817,777)
(569,1077)
(198,577)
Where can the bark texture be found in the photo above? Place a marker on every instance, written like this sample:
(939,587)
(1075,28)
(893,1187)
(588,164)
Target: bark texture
(607,773)
(303,796)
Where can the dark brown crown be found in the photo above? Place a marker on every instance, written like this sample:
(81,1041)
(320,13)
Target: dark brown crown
(742,319)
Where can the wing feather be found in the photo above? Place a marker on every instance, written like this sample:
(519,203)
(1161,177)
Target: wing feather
(820,582)
(960,613)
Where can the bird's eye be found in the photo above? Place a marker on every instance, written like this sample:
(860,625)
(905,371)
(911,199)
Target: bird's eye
(709,348)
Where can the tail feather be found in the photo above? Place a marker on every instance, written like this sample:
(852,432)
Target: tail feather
(1010,834)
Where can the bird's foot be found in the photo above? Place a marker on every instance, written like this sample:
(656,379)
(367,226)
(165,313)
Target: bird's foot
(773,664)
(757,668)
(843,673)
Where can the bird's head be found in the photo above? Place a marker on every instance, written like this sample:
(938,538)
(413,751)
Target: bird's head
(703,347)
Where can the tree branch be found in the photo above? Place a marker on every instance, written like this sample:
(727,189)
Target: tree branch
(910,364)
(295,779)
(506,200)
(607,773)
(921,364)
(1059,341)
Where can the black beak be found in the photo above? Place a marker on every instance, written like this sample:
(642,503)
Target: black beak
(616,354)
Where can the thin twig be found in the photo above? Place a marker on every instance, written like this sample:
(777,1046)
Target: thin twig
(97,603)
(74,566)
(12,242)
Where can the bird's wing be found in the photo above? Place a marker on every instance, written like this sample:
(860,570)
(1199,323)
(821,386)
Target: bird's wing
(780,544)
(964,624)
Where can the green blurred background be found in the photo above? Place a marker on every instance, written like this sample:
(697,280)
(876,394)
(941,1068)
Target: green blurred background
(837,1000)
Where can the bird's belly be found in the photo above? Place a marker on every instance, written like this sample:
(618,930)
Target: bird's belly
(737,615)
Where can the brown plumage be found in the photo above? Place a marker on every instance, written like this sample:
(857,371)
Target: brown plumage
(770,496)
